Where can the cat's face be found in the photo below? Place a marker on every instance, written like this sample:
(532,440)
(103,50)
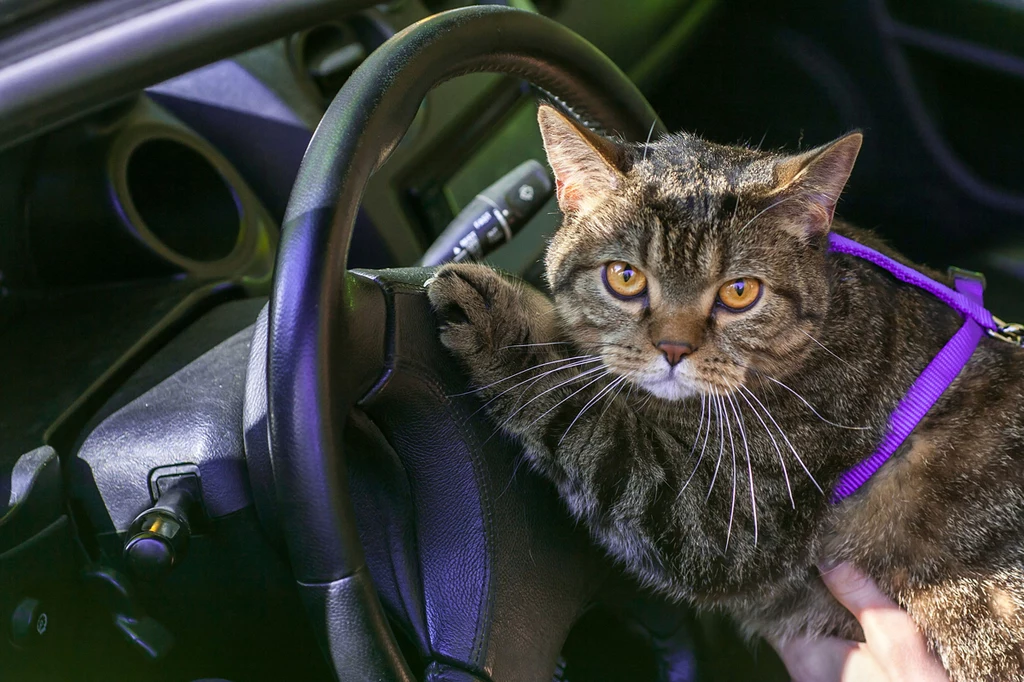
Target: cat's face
(690,267)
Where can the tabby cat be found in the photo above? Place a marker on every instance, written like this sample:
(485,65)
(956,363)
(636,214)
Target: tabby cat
(706,371)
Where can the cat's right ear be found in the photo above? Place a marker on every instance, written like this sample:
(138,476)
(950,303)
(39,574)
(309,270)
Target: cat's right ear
(585,163)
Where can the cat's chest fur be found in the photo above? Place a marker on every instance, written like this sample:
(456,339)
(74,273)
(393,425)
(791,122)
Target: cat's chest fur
(737,489)
(731,493)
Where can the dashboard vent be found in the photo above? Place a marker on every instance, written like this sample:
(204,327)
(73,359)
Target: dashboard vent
(326,55)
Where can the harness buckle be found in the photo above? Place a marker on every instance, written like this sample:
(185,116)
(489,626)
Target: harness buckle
(956,273)
(1011,332)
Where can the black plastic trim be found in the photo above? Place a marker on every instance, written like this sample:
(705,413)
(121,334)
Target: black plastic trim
(68,426)
(36,492)
(92,69)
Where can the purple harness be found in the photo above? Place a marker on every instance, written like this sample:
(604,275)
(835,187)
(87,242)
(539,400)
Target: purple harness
(944,367)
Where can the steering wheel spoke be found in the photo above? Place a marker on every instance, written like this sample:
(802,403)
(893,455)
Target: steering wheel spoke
(503,571)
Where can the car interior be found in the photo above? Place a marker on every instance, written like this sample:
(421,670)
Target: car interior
(231,444)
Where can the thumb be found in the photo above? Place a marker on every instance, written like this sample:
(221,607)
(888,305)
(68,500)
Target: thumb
(854,590)
(828,660)
(888,629)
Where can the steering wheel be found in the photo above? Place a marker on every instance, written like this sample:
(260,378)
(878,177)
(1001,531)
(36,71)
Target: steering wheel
(480,566)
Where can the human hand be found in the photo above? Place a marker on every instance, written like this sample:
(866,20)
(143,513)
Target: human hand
(893,650)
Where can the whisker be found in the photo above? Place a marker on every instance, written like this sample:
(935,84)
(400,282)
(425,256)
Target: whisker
(700,424)
(533,380)
(735,210)
(765,210)
(528,369)
(622,385)
(571,395)
(732,446)
(811,407)
(537,345)
(607,389)
(778,450)
(629,393)
(515,470)
(830,352)
(707,432)
(579,376)
(762,140)
(721,443)
(649,133)
(750,468)
(519,463)
(608,344)
(786,438)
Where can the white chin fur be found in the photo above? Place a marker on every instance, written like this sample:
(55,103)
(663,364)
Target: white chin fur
(670,389)
(671,385)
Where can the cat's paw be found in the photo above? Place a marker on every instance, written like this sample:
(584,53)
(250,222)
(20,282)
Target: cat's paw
(480,311)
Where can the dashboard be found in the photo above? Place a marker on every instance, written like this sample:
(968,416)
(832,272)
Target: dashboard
(144,178)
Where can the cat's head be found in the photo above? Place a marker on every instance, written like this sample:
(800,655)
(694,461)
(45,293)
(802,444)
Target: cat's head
(685,264)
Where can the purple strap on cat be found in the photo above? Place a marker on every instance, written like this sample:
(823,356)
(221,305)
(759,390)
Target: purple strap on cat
(940,372)
(968,305)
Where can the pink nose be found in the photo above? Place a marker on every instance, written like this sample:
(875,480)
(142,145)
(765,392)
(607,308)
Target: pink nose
(674,352)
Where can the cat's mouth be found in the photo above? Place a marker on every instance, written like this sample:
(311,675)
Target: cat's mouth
(684,380)
(672,383)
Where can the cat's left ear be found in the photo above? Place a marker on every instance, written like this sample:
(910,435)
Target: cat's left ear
(586,165)
(809,184)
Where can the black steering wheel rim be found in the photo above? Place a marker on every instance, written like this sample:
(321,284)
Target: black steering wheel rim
(309,388)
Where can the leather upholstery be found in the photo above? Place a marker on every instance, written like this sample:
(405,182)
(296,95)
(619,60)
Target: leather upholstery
(505,571)
(316,327)
(439,672)
(341,605)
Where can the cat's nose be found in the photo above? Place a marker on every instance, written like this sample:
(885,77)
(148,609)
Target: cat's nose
(674,351)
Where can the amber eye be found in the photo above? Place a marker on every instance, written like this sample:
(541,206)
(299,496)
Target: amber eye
(623,280)
(739,294)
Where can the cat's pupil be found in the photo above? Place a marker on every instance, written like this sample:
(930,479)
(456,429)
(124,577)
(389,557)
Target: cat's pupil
(738,288)
(627,275)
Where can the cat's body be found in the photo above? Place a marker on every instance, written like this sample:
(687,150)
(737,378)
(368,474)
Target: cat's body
(720,497)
